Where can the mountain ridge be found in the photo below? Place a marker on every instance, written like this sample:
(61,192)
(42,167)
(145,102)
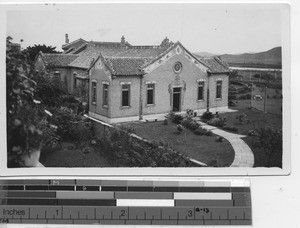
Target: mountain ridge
(272,57)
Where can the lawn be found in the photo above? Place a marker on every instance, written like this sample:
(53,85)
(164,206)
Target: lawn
(70,156)
(202,148)
(257,120)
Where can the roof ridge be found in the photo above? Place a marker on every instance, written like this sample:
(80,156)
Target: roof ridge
(124,57)
(79,48)
(219,60)
(146,47)
(59,54)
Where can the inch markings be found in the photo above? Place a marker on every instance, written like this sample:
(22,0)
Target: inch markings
(125,202)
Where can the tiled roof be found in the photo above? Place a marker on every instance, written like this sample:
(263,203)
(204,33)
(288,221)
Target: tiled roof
(57,60)
(216,65)
(74,43)
(79,49)
(125,66)
(168,49)
(124,59)
(94,50)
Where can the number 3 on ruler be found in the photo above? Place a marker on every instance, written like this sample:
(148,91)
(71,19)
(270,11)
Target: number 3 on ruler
(190,213)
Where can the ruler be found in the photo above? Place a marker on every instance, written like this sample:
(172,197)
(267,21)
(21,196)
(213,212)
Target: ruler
(121,202)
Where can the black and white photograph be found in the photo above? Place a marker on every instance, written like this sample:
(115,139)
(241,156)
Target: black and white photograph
(169,85)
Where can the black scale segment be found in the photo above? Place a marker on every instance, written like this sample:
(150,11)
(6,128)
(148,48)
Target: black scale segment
(87,188)
(140,189)
(37,187)
(166,189)
(114,188)
(61,187)
(85,202)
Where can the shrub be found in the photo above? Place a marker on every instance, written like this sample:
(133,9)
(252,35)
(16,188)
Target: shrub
(49,89)
(230,128)
(208,133)
(271,141)
(206,116)
(231,97)
(71,127)
(175,118)
(217,122)
(242,118)
(252,133)
(69,99)
(189,112)
(123,150)
(165,122)
(179,128)
(202,131)
(189,123)
(219,139)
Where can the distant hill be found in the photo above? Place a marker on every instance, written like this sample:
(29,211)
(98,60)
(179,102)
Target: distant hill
(270,58)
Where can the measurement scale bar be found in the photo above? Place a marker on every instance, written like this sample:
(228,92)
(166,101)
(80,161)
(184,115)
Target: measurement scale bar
(121,202)
(202,196)
(145,203)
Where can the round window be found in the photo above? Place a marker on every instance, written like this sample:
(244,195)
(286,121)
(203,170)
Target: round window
(177,67)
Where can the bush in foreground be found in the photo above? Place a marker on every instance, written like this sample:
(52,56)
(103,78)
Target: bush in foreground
(206,116)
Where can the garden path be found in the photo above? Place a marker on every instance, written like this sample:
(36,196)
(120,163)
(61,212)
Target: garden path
(243,154)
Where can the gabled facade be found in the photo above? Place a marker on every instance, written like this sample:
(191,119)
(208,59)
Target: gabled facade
(148,82)
(56,64)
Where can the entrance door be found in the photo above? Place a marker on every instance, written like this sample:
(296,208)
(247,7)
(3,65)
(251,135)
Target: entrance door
(176,99)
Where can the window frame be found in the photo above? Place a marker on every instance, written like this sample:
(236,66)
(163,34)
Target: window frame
(219,85)
(152,88)
(94,93)
(201,84)
(123,89)
(74,80)
(105,98)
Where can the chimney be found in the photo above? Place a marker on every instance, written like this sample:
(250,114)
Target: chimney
(67,39)
(122,40)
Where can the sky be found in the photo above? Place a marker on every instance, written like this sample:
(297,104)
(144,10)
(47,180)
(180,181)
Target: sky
(214,28)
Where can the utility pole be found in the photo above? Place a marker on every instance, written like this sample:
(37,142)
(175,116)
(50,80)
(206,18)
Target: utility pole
(207,108)
(265,100)
(251,104)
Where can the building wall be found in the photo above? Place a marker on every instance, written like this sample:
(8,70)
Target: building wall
(99,75)
(39,64)
(71,79)
(218,102)
(166,79)
(115,96)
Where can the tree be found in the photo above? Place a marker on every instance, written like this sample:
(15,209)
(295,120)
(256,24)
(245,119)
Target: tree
(32,51)
(271,141)
(233,74)
(49,89)
(26,116)
(9,39)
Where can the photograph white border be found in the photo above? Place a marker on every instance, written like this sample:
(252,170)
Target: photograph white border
(157,172)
